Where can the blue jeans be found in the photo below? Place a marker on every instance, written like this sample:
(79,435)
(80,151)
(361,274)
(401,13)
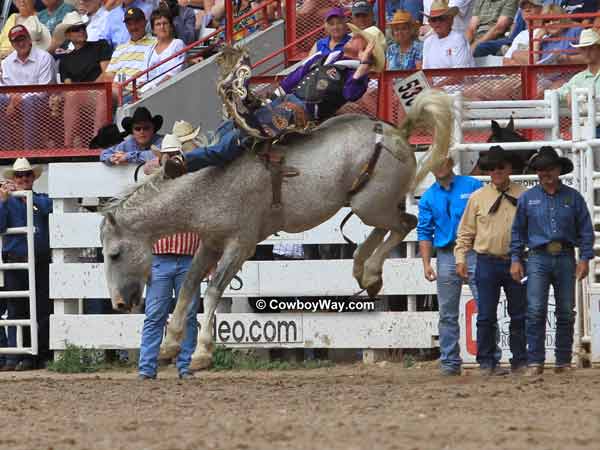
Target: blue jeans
(168,273)
(490,47)
(491,274)
(449,287)
(543,270)
(224,151)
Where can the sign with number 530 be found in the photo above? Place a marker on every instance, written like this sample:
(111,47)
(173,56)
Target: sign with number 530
(408,88)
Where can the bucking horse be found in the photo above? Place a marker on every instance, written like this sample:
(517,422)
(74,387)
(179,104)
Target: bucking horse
(233,208)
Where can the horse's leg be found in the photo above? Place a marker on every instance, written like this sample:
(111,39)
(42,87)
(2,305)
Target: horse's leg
(204,259)
(372,276)
(233,258)
(364,250)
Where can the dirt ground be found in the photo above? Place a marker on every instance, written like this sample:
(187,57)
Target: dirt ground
(376,407)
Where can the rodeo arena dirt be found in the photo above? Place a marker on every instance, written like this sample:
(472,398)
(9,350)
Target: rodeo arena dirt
(299,224)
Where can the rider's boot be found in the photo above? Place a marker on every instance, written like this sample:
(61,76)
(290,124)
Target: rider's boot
(230,147)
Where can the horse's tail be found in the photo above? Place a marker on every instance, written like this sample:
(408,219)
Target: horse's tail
(433,109)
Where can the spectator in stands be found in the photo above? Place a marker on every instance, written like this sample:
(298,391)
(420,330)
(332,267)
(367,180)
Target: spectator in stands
(461,20)
(136,148)
(440,210)
(117,30)
(551,220)
(362,14)
(85,64)
(55,12)
(165,47)
(96,15)
(518,52)
(25,65)
(242,28)
(26,16)
(13,213)
(491,20)
(406,52)
(337,33)
(184,20)
(171,261)
(132,57)
(414,7)
(486,228)
(589,46)
(445,48)
(556,39)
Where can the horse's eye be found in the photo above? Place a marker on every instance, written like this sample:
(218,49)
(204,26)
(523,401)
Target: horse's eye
(114,256)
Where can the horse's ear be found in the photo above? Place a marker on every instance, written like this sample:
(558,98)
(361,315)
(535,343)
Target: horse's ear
(511,124)
(496,128)
(110,218)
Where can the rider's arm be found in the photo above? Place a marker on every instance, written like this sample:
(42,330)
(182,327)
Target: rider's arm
(291,81)
(355,87)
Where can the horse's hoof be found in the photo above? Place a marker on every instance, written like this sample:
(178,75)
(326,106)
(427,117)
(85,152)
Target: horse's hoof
(201,362)
(374,288)
(168,352)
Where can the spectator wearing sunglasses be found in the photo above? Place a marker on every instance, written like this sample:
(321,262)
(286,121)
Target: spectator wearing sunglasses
(143,127)
(13,213)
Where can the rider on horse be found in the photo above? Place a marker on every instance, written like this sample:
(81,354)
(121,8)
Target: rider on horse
(313,93)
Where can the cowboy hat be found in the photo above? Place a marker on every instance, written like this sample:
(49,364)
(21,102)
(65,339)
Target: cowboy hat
(547,157)
(495,156)
(72,19)
(170,144)
(587,38)
(400,17)
(185,130)
(40,36)
(440,8)
(108,136)
(141,114)
(22,165)
(373,34)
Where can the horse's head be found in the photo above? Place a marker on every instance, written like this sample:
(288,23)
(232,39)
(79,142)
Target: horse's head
(506,134)
(127,264)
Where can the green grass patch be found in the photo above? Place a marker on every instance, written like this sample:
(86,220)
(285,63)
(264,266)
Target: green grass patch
(231,359)
(75,359)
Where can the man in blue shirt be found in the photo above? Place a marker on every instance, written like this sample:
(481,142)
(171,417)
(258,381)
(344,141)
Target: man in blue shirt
(551,220)
(440,210)
(115,31)
(13,213)
(143,127)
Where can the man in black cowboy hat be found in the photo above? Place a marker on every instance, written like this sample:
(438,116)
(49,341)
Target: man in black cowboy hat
(551,220)
(486,227)
(143,127)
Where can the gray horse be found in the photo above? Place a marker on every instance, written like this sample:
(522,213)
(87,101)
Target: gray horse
(230,208)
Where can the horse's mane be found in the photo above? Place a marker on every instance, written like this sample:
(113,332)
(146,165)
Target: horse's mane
(129,197)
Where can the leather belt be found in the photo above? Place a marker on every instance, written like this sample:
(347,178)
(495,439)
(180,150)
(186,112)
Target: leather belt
(11,257)
(501,257)
(553,247)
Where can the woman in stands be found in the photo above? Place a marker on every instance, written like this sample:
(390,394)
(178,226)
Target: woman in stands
(406,52)
(166,46)
(337,33)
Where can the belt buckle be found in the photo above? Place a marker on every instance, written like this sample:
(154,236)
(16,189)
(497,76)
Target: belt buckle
(554,247)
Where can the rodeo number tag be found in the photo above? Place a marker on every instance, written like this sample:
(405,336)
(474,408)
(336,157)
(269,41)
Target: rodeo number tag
(408,88)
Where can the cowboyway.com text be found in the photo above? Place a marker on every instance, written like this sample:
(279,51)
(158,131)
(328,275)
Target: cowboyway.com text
(323,304)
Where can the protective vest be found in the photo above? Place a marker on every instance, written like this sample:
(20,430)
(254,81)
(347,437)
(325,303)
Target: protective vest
(323,86)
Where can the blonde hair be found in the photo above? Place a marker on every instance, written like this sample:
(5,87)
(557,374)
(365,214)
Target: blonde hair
(555,10)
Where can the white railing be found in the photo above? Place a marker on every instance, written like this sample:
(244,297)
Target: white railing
(28,230)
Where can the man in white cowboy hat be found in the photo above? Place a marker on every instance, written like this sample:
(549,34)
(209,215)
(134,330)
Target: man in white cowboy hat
(589,47)
(171,261)
(445,48)
(313,93)
(551,220)
(13,213)
(55,12)
(491,20)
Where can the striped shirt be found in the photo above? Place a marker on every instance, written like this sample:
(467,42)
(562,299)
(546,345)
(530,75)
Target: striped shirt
(131,58)
(177,244)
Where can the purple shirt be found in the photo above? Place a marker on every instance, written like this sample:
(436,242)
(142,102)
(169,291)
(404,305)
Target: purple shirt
(353,88)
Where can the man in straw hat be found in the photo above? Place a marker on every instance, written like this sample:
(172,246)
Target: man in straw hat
(589,47)
(486,228)
(171,261)
(445,48)
(313,93)
(551,220)
(143,127)
(13,213)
